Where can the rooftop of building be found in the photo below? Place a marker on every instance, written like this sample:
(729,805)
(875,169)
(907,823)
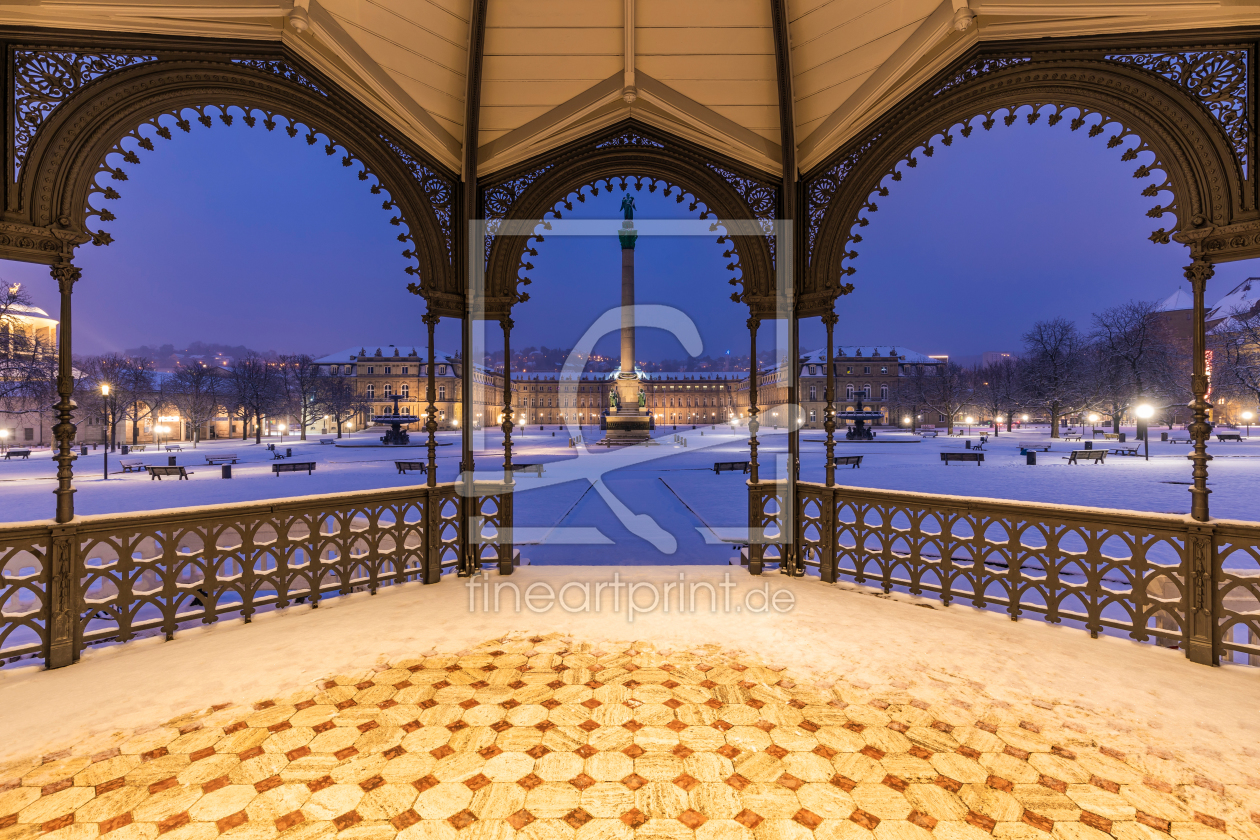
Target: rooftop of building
(383,352)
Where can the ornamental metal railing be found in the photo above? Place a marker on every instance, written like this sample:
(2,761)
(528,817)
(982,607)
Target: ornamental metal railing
(111,578)
(1158,578)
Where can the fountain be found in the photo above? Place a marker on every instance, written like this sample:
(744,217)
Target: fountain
(395,436)
(859,430)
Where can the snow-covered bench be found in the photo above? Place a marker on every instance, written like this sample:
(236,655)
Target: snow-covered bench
(157,472)
(928,432)
(132,465)
(223,458)
(1124,450)
(293,466)
(1098,456)
(277,455)
(1225,437)
(1072,437)
(978,457)
(730,466)
(174,447)
(404,466)
(24,454)
(1026,448)
(325,440)
(853,461)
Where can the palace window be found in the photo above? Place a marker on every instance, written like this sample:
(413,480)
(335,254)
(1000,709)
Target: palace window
(405,370)
(371,369)
(336,369)
(441,392)
(389,369)
(865,369)
(849,370)
(883,369)
(389,389)
(813,416)
(883,392)
(848,392)
(371,389)
(813,392)
(406,391)
(867,390)
(813,371)
(441,370)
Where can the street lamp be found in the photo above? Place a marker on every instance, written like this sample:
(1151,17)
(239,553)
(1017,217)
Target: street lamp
(1144,413)
(4,439)
(157,431)
(280,426)
(1246,416)
(105,407)
(969,420)
(1093,418)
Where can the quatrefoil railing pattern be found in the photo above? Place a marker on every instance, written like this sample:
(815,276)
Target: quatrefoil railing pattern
(157,573)
(1117,572)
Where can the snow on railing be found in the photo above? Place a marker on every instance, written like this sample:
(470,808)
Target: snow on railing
(1105,571)
(154,573)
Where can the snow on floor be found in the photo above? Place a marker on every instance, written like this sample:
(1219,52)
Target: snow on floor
(1139,701)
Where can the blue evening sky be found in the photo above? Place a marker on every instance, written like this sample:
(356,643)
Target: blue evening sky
(241,236)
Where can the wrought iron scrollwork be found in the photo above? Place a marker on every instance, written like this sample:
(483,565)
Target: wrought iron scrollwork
(498,201)
(43,79)
(629,138)
(822,189)
(1216,79)
(762,201)
(437,189)
(979,68)
(282,69)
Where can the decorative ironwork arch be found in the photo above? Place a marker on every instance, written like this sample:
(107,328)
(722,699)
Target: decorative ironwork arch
(630,156)
(79,118)
(1186,108)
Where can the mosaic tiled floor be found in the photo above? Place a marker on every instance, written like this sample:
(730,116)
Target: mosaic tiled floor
(548,738)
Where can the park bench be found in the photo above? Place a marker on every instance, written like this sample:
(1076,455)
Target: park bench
(404,466)
(730,466)
(24,454)
(928,433)
(1098,456)
(174,447)
(277,455)
(853,461)
(1124,450)
(158,472)
(978,457)
(325,440)
(1026,448)
(1111,436)
(225,458)
(536,469)
(293,466)
(1071,437)
(1225,437)
(1180,440)
(978,446)
(132,465)
(139,447)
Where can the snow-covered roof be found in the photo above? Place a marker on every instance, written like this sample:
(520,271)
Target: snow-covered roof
(872,351)
(1176,302)
(1242,298)
(368,353)
(20,311)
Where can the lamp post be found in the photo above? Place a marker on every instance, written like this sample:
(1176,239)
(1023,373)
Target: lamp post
(280,426)
(969,420)
(997,421)
(157,434)
(4,439)
(105,407)
(1144,413)
(1093,419)
(1246,416)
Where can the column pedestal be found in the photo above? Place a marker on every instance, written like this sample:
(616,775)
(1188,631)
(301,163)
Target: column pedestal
(629,424)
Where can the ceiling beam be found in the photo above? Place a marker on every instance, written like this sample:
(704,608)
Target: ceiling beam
(629,91)
(787,105)
(326,27)
(682,107)
(518,143)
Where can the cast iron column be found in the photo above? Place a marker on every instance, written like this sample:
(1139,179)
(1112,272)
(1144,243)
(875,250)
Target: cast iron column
(507,399)
(431,425)
(829,416)
(753,425)
(66,274)
(1198,274)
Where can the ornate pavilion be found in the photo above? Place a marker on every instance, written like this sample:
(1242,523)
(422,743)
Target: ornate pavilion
(782,124)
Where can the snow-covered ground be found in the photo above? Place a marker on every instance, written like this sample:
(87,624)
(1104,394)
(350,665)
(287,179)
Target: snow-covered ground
(673,501)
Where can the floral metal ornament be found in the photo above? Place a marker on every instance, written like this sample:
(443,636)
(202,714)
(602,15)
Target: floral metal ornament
(281,69)
(43,79)
(436,188)
(498,201)
(762,201)
(821,190)
(979,68)
(1216,79)
(629,138)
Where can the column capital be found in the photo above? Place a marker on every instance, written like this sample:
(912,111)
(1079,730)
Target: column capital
(66,274)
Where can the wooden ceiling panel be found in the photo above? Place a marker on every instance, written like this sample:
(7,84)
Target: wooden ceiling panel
(702,14)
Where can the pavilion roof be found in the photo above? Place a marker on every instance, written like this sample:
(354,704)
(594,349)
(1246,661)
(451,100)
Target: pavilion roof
(556,69)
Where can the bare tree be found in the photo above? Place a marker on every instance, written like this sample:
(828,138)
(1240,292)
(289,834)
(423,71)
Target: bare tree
(1053,369)
(947,391)
(337,398)
(1237,342)
(300,379)
(1132,353)
(256,389)
(997,390)
(137,388)
(197,391)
